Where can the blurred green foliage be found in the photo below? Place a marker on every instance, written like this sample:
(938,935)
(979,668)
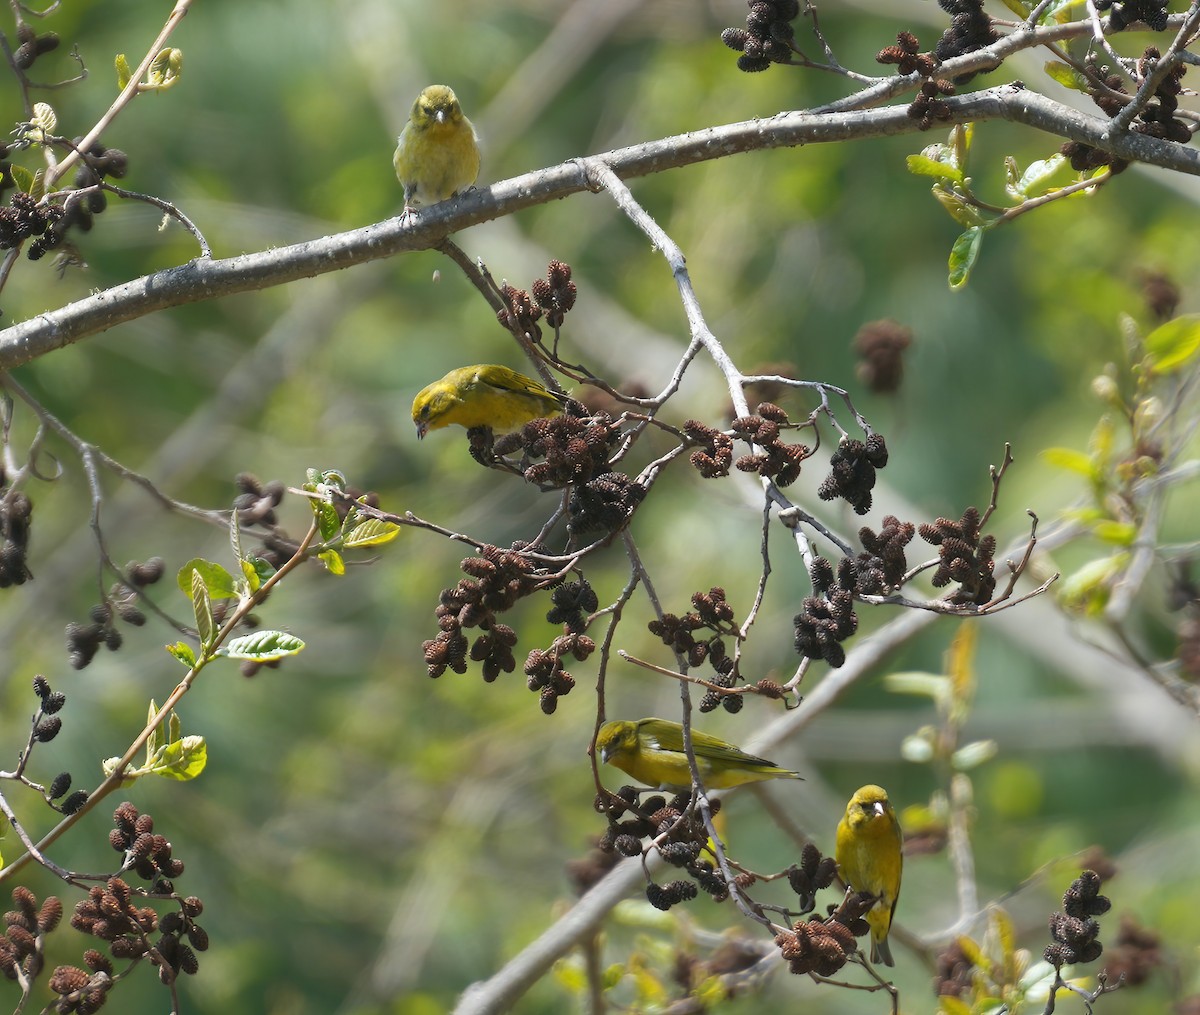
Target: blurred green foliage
(367,840)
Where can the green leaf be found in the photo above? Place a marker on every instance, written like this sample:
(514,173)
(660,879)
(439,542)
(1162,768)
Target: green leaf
(182,651)
(961,137)
(930,685)
(181,759)
(963,256)
(953,1006)
(333,562)
(1174,344)
(262,646)
(44,117)
(1087,589)
(973,755)
(123,72)
(217,581)
(23,178)
(1117,533)
(327,518)
(370,532)
(253,581)
(1065,75)
(1038,177)
(165,69)
(1071,460)
(264,569)
(202,607)
(923,165)
(155,738)
(960,210)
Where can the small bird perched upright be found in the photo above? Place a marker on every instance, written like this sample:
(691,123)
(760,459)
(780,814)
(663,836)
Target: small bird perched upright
(437,154)
(651,750)
(485,394)
(870,854)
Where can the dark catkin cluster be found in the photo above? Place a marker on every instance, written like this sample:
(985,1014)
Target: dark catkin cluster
(110,914)
(23,218)
(544,670)
(882,565)
(25,926)
(571,603)
(928,107)
(497,578)
(1161,294)
(665,896)
(822,946)
(16,519)
(714,452)
(827,619)
(953,971)
(767,37)
(712,615)
(555,293)
(1157,119)
(1134,955)
(604,504)
(32,45)
(520,313)
(573,447)
(852,471)
(970,29)
(84,640)
(1123,13)
(880,347)
(148,855)
(775,459)
(77,212)
(907,56)
(810,875)
(82,991)
(964,557)
(1073,929)
(256,501)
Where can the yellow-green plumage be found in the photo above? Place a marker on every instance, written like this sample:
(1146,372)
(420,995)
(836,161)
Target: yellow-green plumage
(651,750)
(870,853)
(485,394)
(437,153)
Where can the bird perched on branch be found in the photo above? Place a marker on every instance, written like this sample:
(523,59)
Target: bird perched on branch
(437,154)
(484,395)
(870,855)
(651,750)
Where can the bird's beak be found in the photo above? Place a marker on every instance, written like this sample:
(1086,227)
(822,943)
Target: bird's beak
(878,809)
(422,430)
(605,752)
(440,116)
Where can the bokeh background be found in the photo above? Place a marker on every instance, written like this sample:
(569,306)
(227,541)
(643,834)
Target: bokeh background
(368,840)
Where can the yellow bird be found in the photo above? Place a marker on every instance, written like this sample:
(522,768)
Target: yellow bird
(651,750)
(437,154)
(871,856)
(483,395)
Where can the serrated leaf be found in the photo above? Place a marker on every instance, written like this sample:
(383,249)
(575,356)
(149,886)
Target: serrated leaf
(182,759)
(44,117)
(1174,344)
(263,568)
(1065,75)
(253,581)
(123,72)
(262,646)
(1038,177)
(370,532)
(23,178)
(202,607)
(956,205)
(333,562)
(922,165)
(963,256)
(165,69)
(328,522)
(217,581)
(182,651)
(1071,460)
